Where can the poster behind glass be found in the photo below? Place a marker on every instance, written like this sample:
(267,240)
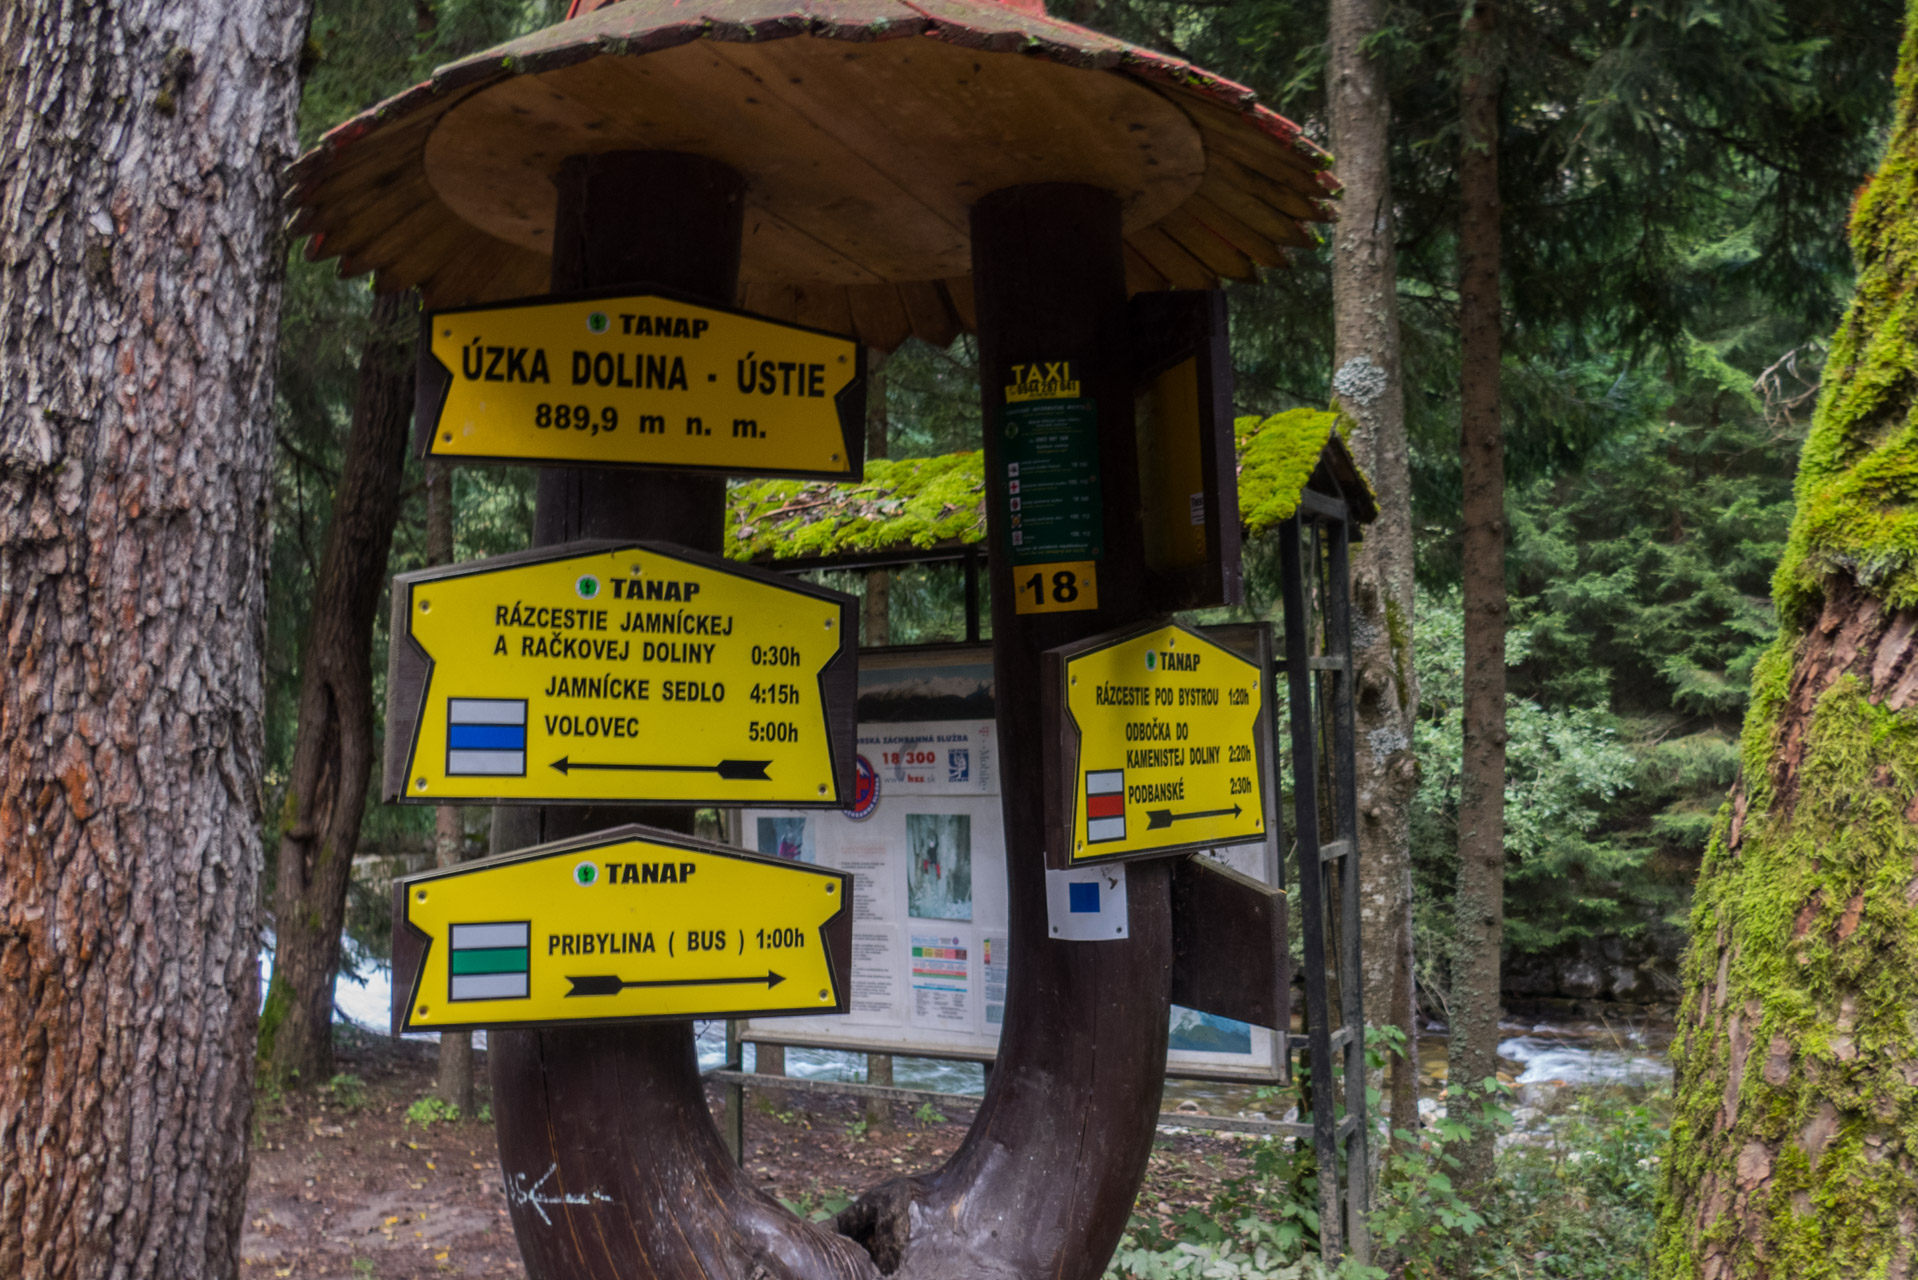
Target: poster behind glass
(925,844)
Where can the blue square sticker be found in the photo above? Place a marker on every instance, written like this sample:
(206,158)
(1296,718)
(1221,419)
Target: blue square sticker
(1083,897)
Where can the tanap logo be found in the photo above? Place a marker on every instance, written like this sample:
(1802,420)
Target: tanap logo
(597,322)
(1151,660)
(587,586)
(586,874)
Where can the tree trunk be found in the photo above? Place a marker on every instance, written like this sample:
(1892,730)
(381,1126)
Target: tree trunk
(1797,1051)
(1473,1053)
(449,836)
(685,1208)
(878,632)
(1044,1182)
(1368,381)
(333,753)
(139,296)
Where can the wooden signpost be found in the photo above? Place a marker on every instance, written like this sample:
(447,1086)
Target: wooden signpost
(629,924)
(642,379)
(978,167)
(1155,744)
(604,671)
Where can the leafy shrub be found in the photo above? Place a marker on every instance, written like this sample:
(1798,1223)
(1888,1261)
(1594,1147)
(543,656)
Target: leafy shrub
(347,1091)
(1574,1203)
(428,1111)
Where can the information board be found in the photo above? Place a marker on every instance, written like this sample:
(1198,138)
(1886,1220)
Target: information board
(595,672)
(1155,744)
(1188,477)
(1054,514)
(931,958)
(645,379)
(627,924)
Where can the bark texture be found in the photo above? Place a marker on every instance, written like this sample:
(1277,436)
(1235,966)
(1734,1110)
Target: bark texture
(1368,380)
(1795,1140)
(139,294)
(1480,928)
(645,1187)
(333,752)
(455,1083)
(1046,1177)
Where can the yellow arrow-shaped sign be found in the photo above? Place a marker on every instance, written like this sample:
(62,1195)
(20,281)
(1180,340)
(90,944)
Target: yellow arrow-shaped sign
(643,380)
(625,924)
(605,671)
(1155,744)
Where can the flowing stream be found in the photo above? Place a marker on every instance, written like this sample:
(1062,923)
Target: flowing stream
(1539,1057)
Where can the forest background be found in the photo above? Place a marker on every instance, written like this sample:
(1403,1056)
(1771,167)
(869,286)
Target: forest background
(1674,260)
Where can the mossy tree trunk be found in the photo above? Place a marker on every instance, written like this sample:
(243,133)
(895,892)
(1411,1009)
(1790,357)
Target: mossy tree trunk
(1480,905)
(333,753)
(1369,384)
(1795,1143)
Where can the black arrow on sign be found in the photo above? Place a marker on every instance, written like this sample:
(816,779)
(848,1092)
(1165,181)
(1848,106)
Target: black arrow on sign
(611,984)
(731,770)
(1156,818)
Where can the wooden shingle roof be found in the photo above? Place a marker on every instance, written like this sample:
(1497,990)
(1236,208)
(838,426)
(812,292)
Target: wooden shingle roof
(865,130)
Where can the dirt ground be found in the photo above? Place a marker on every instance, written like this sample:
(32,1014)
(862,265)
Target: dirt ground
(346,1187)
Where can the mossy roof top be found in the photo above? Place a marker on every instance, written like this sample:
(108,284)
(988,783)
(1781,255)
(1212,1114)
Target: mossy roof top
(938,504)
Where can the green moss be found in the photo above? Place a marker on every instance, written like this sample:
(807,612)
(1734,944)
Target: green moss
(1811,917)
(919,503)
(279,1001)
(1771,681)
(907,502)
(1398,630)
(1276,458)
(1804,1162)
(1858,476)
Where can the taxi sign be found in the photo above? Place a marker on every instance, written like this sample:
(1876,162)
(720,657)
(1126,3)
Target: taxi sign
(1155,745)
(596,672)
(625,924)
(642,380)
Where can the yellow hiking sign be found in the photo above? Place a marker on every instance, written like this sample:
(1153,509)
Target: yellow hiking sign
(643,380)
(625,924)
(598,672)
(1155,744)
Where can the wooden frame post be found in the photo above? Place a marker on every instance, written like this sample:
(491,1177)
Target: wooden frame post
(612,1165)
(599,1126)
(1045,1180)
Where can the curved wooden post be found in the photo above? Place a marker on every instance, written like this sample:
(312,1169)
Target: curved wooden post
(1044,1182)
(612,1165)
